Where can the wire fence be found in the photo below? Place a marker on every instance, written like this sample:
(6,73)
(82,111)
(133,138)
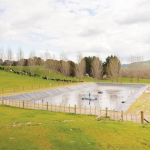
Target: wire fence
(32,87)
(106,114)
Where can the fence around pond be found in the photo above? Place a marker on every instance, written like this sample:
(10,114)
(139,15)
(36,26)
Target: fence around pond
(137,117)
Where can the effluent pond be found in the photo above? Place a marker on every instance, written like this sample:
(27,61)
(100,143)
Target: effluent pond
(100,97)
(94,95)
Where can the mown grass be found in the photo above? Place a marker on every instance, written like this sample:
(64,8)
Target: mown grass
(25,129)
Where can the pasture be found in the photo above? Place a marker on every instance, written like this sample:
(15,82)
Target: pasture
(37,129)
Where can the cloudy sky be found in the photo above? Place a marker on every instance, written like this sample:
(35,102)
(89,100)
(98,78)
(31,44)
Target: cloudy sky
(93,27)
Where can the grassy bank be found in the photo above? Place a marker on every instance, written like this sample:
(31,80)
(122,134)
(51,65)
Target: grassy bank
(141,104)
(36,129)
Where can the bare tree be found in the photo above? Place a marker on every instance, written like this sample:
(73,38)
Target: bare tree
(9,56)
(64,65)
(80,66)
(47,63)
(1,56)
(96,68)
(42,64)
(136,67)
(20,59)
(114,68)
(32,62)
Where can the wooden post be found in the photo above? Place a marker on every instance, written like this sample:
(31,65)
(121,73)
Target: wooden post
(75,109)
(122,115)
(114,114)
(47,106)
(106,113)
(80,109)
(90,110)
(23,104)
(142,117)
(117,114)
(60,107)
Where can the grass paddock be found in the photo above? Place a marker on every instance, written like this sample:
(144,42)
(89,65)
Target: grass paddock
(24,129)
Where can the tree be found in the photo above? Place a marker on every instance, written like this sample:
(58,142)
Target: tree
(113,68)
(64,65)
(20,59)
(72,68)
(32,62)
(80,66)
(9,56)
(105,65)
(88,61)
(136,67)
(1,56)
(96,68)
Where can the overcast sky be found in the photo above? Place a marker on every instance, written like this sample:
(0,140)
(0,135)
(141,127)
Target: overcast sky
(93,27)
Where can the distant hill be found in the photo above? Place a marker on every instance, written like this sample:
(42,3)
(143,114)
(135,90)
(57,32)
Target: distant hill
(146,63)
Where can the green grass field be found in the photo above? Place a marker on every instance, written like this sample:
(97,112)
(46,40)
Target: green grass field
(24,129)
(11,82)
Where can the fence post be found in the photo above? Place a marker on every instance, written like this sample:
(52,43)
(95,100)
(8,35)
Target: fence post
(114,114)
(47,105)
(80,109)
(106,112)
(75,109)
(90,110)
(23,104)
(60,107)
(2,102)
(142,117)
(122,115)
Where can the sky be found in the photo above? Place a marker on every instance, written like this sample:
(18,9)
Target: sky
(91,27)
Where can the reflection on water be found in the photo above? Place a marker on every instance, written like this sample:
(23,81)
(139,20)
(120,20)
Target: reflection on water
(107,96)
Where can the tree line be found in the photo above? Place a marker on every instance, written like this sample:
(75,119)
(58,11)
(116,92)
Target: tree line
(91,66)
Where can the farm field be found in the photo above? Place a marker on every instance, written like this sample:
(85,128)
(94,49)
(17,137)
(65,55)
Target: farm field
(36,129)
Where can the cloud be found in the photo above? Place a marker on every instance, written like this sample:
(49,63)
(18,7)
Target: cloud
(69,26)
